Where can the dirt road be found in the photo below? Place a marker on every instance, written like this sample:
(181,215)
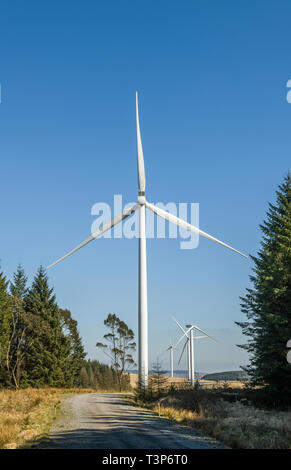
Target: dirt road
(109,421)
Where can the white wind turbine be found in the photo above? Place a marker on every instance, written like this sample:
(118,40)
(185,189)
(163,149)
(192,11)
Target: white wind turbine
(171,349)
(189,342)
(141,205)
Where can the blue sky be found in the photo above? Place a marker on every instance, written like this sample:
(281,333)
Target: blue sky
(215,127)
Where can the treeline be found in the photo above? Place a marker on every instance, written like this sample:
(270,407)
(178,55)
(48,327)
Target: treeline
(40,344)
(102,377)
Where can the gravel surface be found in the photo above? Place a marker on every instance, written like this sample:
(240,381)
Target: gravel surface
(109,421)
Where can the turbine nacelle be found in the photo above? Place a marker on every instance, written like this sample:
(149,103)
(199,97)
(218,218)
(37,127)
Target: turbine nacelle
(141,198)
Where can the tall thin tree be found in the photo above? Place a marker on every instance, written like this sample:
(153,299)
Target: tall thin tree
(120,345)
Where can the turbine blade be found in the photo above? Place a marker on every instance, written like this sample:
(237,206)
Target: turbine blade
(182,223)
(182,352)
(115,220)
(179,341)
(199,329)
(180,326)
(140,159)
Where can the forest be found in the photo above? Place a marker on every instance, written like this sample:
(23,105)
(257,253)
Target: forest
(40,345)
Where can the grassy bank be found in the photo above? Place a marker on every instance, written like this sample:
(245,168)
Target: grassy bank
(234,424)
(26,415)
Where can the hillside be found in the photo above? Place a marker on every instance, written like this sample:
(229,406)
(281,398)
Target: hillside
(228,375)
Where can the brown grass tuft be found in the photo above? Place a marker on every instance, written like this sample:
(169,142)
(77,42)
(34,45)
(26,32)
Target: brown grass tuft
(26,415)
(234,424)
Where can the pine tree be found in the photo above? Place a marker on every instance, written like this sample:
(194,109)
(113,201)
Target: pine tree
(158,382)
(5,327)
(77,352)
(84,379)
(92,380)
(18,286)
(48,354)
(268,304)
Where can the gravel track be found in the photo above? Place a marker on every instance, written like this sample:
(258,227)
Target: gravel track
(109,421)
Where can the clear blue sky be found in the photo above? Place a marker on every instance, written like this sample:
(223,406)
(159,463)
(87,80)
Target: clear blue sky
(215,127)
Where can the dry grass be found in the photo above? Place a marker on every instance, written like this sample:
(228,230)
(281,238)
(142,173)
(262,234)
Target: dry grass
(210,384)
(26,415)
(181,381)
(234,424)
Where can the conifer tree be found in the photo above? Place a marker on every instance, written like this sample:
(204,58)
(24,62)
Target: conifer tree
(267,304)
(18,287)
(77,352)
(158,382)
(47,358)
(84,379)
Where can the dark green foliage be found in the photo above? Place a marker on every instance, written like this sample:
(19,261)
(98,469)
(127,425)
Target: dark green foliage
(121,343)
(101,377)
(228,375)
(268,305)
(40,344)
(84,378)
(18,288)
(77,353)
(48,356)
(43,346)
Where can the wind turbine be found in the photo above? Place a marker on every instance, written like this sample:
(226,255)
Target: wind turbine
(171,349)
(141,205)
(190,338)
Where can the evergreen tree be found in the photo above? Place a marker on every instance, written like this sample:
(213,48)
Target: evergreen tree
(18,287)
(268,304)
(92,379)
(84,379)
(77,352)
(158,382)
(5,327)
(48,354)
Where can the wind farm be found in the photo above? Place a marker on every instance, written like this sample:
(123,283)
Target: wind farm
(159,131)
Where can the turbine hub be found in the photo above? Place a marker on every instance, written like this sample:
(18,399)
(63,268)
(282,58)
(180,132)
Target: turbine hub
(141,198)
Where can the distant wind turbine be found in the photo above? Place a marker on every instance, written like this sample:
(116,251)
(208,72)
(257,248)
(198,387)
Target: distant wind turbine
(171,349)
(190,339)
(141,205)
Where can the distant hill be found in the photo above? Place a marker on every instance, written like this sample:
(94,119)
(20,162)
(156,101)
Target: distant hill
(228,375)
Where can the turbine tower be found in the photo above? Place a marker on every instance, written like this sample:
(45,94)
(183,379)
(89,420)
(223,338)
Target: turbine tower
(141,205)
(187,343)
(171,349)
